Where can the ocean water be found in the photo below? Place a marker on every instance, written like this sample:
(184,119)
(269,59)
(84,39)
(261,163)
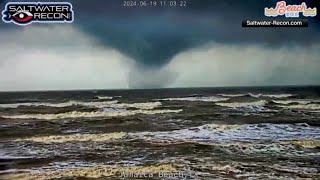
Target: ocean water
(191,133)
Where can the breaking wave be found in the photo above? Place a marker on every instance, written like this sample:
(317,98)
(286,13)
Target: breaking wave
(256,106)
(243,104)
(104,97)
(278,96)
(4,155)
(271,95)
(205,99)
(301,106)
(227,133)
(299,101)
(147,105)
(64,104)
(233,95)
(114,104)
(76,137)
(76,114)
(307,143)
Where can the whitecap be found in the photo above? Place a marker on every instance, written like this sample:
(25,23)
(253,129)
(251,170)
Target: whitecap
(63,104)
(278,95)
(76,114)
(104,104)
(255,106)
(255,95)
(5,155)
(301,106)
(147,105)
(295,169)
(271,95)
(105,97)
(204,99)
(76,137)
(299,101)
(110,109)
(232,95)
(13,157)
(248,132)
(242,104)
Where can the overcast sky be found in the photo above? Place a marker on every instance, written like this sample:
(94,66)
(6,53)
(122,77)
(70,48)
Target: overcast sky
(111,46)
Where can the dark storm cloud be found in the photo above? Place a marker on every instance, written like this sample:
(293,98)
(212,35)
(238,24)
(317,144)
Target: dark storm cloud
(202,44)
(153,35)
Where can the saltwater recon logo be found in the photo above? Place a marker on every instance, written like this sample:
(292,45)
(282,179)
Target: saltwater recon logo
(290,10)
(24,13)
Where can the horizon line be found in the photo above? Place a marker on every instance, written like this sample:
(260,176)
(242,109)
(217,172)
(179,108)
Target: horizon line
(132,89)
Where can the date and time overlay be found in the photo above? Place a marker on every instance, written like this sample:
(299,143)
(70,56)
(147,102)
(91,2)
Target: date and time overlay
(155,3)
(186,3)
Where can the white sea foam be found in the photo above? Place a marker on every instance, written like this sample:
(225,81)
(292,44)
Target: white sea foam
(259,95)
(76,137)
(278,95)
(2,156)
(104,97)
(104,104)
(64,104)
(110,109)
(307,143)
(294,169)
(301,106)
(147,105)
(315,111)
(232,95)
(75,114)
(255,95)
(247,132)
(256,106)
(271,95)
(242,104)
(299,101)
(205,99)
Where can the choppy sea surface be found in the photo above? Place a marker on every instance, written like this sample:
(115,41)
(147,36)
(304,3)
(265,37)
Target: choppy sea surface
(195,133)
